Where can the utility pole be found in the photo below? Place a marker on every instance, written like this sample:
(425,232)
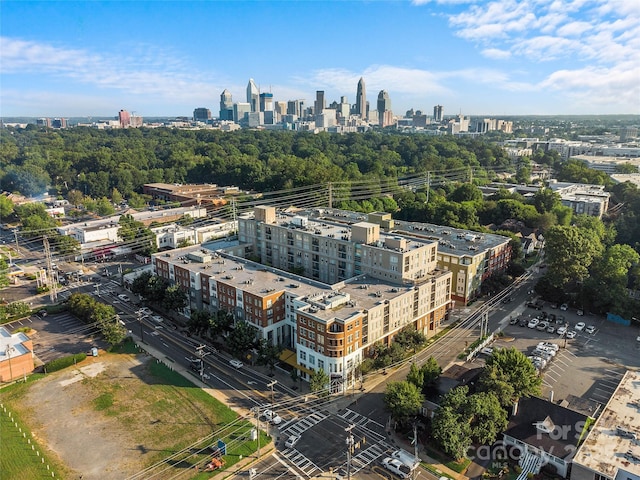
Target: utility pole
(415,446)
(257,412)
(349,443)
(271,385)
(15,234)
(201,354)
(53,281)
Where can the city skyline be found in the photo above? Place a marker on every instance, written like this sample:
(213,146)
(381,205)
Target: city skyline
(67,59)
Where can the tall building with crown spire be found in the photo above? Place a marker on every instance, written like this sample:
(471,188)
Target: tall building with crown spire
(253,96)
(361,100)
(226,105)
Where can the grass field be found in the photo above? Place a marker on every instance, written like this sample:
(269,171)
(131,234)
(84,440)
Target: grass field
(22,457)
(153,414)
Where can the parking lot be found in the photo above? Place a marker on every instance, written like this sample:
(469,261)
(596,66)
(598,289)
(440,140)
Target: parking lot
(589,365)
(57,335)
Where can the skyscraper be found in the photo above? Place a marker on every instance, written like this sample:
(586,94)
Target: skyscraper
(253,96)
(385,115)
(361,100)
(319,105)
(438,113)
(266,102)
(226,105)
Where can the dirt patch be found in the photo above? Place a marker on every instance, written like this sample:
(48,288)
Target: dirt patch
(62,408)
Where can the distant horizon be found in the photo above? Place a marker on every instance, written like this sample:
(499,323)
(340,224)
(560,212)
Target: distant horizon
(9,118)
(501,57)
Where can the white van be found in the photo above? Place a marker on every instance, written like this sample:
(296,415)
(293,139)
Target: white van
(405,457)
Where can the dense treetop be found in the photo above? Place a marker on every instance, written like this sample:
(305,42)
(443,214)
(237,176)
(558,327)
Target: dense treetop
(97,161)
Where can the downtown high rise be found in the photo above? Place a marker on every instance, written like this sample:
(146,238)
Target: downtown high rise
(361,100)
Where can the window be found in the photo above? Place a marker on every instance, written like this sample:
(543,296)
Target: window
(312,360)
(303,355)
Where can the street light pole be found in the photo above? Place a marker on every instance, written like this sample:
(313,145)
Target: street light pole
(349,442)
(8,353)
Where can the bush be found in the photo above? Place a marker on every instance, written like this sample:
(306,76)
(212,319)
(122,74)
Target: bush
(64,362)
(42,289)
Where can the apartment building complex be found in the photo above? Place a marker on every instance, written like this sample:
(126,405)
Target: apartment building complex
(472,257)
(329,292)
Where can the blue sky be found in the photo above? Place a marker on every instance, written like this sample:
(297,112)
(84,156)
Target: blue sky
(503,57)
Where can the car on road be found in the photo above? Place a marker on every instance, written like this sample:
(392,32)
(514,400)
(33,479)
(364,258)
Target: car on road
(123,297)
(291,441)
(271,416)
(571,334)
(590,329)
(396,466)
(564,307)
(236,363)
(145,311)
(580,326)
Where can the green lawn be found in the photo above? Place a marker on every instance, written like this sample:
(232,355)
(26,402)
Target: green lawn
(18,460)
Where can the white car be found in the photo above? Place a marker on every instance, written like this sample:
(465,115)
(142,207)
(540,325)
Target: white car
(580,326)
(571,334)
(123,297)
(236,363)
(396,466)
(487,350)
(590,329)
(271,416)
(564,307)
(291,441)
(533,323)
(561,330)
(145,311)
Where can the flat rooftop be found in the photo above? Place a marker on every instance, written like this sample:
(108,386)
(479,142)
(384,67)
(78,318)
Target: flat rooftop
(363,292)
(604,448)
(452,241)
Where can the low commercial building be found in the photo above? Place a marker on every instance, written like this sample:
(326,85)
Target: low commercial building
(611,451)
(16,355)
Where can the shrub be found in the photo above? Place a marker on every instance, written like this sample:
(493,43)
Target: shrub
(64,362)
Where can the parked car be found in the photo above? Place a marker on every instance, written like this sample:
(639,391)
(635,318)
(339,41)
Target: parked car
(487,350)
(590,329)
(523,322)
(564,307)
(396,466)
(580,326)
(533,323)
(291,441)
(551,329)
(580,313)
(571,334)
(513,321)
(542,326)
(561,330)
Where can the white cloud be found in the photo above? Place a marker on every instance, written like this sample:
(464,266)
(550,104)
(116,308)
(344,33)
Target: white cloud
(144,70)
(496,53)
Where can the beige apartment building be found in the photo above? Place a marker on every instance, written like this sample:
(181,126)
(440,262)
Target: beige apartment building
(329,292)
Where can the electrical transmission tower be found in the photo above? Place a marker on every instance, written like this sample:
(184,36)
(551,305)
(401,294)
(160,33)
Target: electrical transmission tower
(51,274)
